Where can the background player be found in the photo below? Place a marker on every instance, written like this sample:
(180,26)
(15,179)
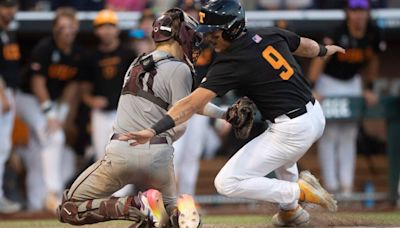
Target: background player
(152,83)
(270,76)
(9,78)
(50,94)
(337,146)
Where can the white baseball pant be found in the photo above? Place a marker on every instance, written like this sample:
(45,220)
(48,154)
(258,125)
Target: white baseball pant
(6,127)
(277,149)
(337,146)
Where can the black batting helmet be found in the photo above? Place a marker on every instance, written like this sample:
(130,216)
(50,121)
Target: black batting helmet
(227,15)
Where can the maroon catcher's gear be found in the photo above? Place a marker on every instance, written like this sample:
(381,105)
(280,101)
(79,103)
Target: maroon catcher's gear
(186,35)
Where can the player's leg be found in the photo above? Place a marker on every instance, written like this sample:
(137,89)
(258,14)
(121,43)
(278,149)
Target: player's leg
(285,141)
(290,214)
(88,201)
(347,155)
(6,126)
(102,125)
(327,152)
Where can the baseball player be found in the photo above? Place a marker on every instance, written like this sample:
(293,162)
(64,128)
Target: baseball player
(337,146)
(50,89)
(9,71)
(261,66)
(152,84)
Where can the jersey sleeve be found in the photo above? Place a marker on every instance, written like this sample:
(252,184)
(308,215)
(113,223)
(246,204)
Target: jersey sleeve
(181,83)
(220,79)
(292,39)
(40,59)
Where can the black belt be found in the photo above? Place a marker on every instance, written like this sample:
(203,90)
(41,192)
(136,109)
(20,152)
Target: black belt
(298,112)
(154,140)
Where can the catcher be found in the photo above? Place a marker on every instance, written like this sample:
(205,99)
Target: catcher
(153,83)
(269,75)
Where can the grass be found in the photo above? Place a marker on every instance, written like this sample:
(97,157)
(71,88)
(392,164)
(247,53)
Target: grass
(319,219)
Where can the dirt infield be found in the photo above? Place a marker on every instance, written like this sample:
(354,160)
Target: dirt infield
(227,216)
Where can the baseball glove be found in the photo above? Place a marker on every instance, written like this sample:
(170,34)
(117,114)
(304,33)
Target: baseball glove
(241,116)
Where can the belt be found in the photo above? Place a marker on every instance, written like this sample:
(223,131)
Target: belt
(297,112)
(154,140)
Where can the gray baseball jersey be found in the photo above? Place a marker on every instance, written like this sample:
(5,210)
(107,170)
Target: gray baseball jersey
(172,82)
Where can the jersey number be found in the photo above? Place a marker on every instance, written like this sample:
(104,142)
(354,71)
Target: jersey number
(277,61)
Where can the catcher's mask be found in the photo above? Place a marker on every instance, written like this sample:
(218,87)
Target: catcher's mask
(185,34)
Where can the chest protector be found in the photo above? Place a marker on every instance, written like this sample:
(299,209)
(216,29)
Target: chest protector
(135,79)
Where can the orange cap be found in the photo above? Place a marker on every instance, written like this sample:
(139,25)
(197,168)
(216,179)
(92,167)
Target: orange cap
(106,17)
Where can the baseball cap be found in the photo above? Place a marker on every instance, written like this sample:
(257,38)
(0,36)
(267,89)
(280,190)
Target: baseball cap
(358,4)
(8,2)
(106,17)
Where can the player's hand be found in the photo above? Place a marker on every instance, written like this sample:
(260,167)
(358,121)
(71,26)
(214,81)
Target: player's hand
(138,137)
(4,104)
(98,102)
(332,49)
(370,98)
(53,125)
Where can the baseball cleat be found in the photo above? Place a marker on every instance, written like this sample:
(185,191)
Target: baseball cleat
(295,217)
(312,192)
(188,217)
(152,206)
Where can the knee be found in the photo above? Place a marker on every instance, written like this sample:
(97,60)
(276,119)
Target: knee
(225,186)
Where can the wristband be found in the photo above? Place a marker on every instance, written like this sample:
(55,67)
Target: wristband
(322,50)
(164,124)
(46,106)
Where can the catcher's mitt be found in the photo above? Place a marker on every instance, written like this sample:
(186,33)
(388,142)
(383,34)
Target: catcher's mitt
(241,116)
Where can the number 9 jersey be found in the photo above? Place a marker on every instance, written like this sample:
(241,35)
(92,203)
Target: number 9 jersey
(261,66)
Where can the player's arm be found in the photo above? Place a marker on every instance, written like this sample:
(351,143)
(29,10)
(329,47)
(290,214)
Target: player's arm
(213,111)
(178,114)
(371,72)
(311,49)
(4,104)
(39,89)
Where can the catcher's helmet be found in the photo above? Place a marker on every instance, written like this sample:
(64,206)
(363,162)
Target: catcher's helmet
(176,24)
(227,15)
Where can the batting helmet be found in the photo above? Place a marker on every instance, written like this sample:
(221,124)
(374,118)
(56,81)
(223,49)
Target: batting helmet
(176,24)
(227,15)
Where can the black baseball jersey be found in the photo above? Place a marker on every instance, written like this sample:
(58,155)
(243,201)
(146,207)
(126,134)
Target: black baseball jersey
(58,68)
(9,59)
(106,71)
(261,66)
(358,52)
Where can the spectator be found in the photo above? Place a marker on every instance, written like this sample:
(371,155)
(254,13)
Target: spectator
(9,70)
(339,75)
(50,92)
